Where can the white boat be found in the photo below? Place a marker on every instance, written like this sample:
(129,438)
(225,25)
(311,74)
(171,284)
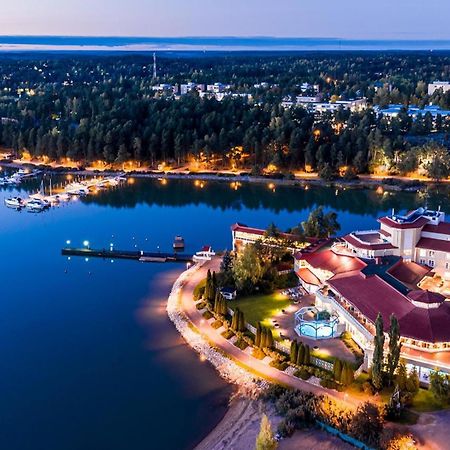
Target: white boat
(14,202)
(36,205)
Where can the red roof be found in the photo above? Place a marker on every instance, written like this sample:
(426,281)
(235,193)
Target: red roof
(358,244)
(385,233)
(308,277)
(441,228)
(434,244)
(330,261)
(372,295)
(418,223)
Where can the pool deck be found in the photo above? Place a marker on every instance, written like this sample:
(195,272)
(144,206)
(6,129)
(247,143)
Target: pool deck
(333,347)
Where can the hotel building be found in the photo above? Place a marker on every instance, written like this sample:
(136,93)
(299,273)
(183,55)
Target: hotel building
(400,269)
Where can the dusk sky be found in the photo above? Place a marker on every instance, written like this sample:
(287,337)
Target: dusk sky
(352,19)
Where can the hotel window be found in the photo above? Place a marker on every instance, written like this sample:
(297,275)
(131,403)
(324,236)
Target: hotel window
(422,261)
(447,265)
(431,263)
(448,255)
(431,253)
(423,252)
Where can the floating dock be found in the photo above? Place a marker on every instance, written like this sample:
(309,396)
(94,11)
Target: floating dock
(125,254)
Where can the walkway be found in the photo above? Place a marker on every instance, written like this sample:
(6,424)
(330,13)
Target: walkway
(253,364)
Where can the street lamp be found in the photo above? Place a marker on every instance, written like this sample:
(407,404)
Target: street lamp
(68,242)
(86,244)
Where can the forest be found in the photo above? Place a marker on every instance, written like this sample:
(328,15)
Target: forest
(94,107)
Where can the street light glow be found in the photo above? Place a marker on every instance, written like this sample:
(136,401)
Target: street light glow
(86,243)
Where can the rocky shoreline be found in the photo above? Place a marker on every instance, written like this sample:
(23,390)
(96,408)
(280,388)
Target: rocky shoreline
(248,384)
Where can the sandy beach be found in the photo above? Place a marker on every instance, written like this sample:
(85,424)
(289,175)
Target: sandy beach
(240,427)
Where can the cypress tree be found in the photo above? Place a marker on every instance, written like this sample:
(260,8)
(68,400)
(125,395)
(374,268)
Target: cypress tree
(269,338)
(208,285)
(258,335)
(241,321)
(377,362)
(294,351)
(307,358)
(263,337)
(214,281)
(235,320)
(337,370)
(217,303)
(223,305)
(394,348)
(301,354)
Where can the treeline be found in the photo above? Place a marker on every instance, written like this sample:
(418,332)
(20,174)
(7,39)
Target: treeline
(91,109)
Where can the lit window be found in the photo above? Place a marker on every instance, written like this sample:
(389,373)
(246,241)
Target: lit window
(423,252)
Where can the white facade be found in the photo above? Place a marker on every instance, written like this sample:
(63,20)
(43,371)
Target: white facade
(436,85)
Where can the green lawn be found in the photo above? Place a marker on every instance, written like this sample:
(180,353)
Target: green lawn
(261,308)
(425,401)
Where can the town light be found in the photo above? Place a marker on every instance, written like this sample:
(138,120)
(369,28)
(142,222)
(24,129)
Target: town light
(86,244)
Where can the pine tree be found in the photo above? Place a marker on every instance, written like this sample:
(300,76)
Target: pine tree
(378,354)
(301,354)
(217,303)
(395,345)
(307,358)
(294,351)
(337,369)
(265,439)
(241,324)
(258,335)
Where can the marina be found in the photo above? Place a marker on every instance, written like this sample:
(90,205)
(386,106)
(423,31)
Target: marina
(40,201)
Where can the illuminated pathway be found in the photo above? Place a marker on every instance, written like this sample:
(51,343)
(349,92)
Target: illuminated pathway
(255,365)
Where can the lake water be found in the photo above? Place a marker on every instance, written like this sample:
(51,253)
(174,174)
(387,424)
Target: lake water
(88,358)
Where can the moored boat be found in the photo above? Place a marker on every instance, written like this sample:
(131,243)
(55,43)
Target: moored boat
(14,202)
(178,243)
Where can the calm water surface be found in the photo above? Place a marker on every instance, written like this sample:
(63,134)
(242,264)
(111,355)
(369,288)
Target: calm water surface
(88,358)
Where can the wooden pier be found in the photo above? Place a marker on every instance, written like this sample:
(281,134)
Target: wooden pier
(125,254)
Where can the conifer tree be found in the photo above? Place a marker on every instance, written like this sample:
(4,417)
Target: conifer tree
(337,370)
(258,335)
(294,351)
(395,345)
(263,342)
(307,357)
(265,439)
(378,354)
(269,338)
(301,354)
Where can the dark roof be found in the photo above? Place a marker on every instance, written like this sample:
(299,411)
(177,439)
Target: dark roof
(441,228)
(426,297)
(434,244)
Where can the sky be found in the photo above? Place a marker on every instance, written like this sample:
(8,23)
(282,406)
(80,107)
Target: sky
(347,19)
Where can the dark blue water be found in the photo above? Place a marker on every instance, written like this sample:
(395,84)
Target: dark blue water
(228,42)
(88,358)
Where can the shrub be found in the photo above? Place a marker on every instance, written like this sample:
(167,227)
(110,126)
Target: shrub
(199,290)
(207,315)
(367,388)
(280,365)
(217,324)
(228,334)
(303,373)
(240,343)
(258,353)
(200,305)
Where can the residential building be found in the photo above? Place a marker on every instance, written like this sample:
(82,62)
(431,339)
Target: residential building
(436,85)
